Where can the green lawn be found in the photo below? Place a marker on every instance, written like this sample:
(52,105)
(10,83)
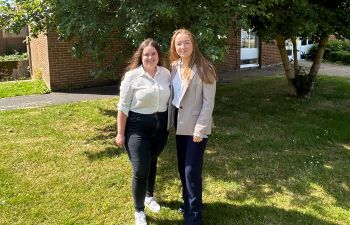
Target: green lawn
(272,159)
(24,87)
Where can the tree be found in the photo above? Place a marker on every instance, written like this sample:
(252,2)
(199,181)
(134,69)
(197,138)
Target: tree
(314,19)
(91,25)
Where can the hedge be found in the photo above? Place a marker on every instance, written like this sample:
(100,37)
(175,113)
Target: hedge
(335,51)
(340,56)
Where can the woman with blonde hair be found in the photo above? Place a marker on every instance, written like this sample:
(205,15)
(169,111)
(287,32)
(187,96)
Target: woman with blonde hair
(193,96)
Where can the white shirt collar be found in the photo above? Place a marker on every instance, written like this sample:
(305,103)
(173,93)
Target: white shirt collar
(143,72)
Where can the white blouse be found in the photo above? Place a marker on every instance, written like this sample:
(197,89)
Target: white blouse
(178,87)
(141,93)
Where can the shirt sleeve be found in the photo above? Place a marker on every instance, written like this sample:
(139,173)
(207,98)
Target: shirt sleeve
(125,94)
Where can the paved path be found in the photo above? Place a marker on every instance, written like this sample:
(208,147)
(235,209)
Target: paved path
(325,69)
(57,98)
(111,91)
(330,69)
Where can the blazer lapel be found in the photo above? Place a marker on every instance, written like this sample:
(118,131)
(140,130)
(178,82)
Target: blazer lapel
(193,72)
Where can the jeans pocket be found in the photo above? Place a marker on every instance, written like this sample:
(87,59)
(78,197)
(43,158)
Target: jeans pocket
(134,117)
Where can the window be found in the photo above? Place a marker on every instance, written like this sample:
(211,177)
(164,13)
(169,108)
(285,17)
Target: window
(249,39)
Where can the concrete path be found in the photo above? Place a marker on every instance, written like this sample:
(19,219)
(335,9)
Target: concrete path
(325,69)
(111,91)
(57,98)
(330,69)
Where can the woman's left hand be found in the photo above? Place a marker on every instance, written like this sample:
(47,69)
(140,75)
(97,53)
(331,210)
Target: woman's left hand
(197,139)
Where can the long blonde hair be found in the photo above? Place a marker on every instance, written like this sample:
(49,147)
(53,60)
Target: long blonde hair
(206,70)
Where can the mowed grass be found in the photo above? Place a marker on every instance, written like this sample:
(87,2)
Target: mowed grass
(23,87)
(272,159)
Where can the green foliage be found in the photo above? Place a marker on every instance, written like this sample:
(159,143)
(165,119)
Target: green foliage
(300,18)
(338,45)
(335,51)
(10,62)
(92,26)
(14,57)
(339,57)
(312,19)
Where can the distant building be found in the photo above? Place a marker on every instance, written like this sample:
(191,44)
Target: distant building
(11,43)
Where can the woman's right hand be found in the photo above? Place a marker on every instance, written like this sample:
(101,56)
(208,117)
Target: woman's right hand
(120,140)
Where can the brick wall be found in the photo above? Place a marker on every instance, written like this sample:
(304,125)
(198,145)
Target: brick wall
(232,59)
(65,71)
(8,44)
(61,71)
(269,54)
(39,58)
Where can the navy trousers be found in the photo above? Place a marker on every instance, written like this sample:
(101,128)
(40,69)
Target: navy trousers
(190,163)
(145,138)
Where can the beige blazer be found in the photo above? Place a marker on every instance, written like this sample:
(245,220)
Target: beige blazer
(196,106)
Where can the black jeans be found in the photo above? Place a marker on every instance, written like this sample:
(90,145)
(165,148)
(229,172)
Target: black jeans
(145,138)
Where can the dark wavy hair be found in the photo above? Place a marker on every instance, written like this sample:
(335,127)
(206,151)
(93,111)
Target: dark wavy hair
(136,60)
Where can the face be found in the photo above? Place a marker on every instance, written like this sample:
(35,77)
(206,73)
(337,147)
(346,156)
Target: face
(183,46)
(150,57)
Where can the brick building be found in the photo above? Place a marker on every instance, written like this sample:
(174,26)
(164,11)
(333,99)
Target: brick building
(10,43)
(51,59)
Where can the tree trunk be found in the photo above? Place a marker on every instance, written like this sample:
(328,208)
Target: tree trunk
(286,65)
(319,56)
(295,55)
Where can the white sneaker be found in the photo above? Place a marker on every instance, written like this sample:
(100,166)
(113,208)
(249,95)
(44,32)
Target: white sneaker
(140,218)
(151,203)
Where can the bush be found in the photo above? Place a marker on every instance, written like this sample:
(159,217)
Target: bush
(14,57)
(331,47)
(340,57)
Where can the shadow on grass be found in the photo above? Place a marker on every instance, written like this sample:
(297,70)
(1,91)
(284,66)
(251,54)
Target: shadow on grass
(226,214)
(109,152)
(267,144)
(106,137)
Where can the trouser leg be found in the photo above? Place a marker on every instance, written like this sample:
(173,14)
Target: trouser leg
(158,142)
(140,157)
(193,180)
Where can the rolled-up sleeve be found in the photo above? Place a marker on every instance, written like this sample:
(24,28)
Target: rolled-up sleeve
(125,94)
(205,116)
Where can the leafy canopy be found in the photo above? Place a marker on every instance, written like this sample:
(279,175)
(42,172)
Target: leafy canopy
(92,25)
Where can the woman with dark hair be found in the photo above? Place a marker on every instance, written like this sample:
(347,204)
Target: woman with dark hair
(143,121)
(193,95)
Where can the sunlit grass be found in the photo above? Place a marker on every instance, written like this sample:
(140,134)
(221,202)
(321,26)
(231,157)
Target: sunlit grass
(23,87)
(272,159)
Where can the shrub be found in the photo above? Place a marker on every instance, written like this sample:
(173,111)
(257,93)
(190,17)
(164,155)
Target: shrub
(331,47)
(14,57)
(340,57)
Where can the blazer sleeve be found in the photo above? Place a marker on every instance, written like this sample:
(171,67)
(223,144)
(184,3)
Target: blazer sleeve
(204,120)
